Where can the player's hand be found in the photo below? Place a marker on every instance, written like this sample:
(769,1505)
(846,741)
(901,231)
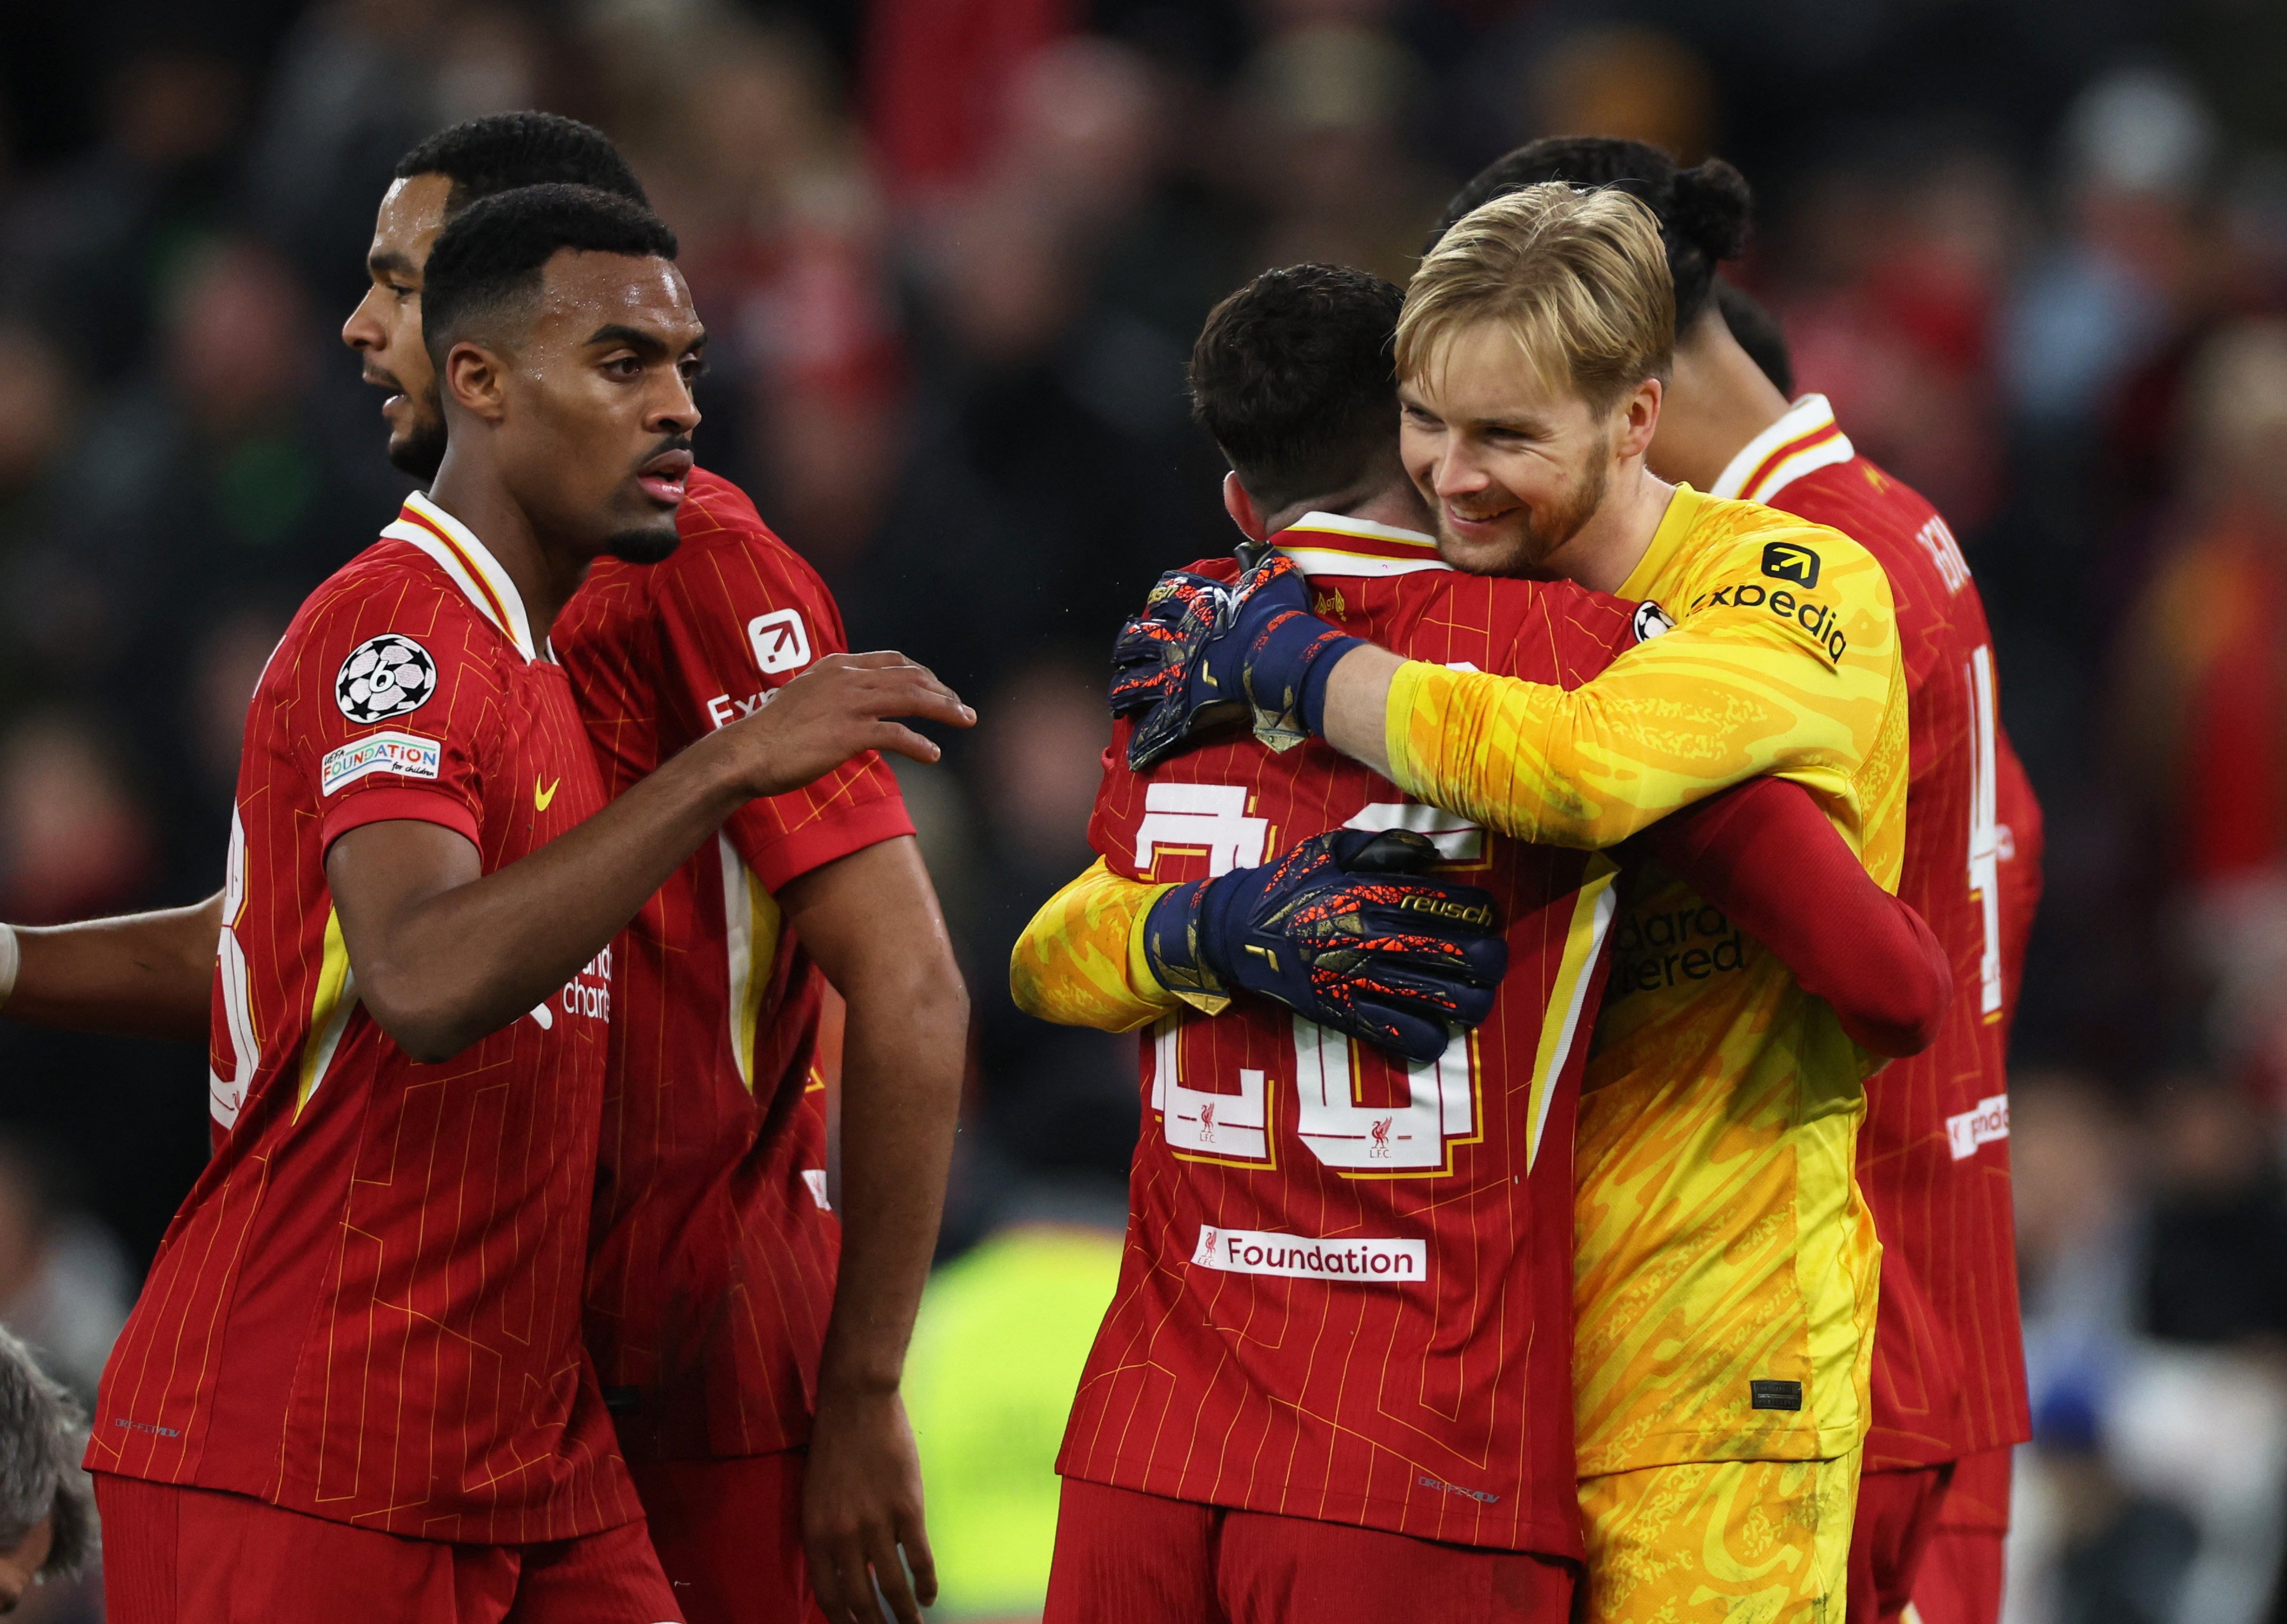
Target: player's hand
(1344,930)
(1204,649)
(861,1505)
(838,708)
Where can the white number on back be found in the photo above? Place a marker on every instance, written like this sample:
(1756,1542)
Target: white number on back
(1985,829)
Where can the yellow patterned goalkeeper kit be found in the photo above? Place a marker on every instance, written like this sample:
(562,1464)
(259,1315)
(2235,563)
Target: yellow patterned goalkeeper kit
(1727,1269)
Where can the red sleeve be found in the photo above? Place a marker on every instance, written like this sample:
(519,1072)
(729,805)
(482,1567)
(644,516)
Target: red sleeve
(1766,855)
(392,703)
(740,613)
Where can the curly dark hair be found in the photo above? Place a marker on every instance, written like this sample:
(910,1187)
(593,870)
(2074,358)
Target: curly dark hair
(1294,377)
(1703,211)
(492,258)
(504,151)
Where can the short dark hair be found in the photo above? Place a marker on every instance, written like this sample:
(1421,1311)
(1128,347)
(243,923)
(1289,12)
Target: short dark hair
(41,1433)
(502,152)
(1703,211)
(1759,333)
(496,254)
(1294,376)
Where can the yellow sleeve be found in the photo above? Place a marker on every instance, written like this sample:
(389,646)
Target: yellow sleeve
(1080,962)
(1757,676)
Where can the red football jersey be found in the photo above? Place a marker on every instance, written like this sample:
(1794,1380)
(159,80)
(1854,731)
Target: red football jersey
(1948,1375)
(1347,1292)
(713,1264)
(368,1308)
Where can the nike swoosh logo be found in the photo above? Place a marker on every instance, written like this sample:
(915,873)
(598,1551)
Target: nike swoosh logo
(539,797)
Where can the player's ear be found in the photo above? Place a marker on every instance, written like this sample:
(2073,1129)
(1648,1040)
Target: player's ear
(475,379)
(1241,508)
(1636,418)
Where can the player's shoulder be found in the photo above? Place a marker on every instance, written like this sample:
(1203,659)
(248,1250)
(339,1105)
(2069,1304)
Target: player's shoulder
(1747,540)
(392,584)
(722,538)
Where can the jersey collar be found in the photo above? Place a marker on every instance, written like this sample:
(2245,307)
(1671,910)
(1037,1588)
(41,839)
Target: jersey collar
(1331,544)
(1682,512)
(470,563)
(1806,438)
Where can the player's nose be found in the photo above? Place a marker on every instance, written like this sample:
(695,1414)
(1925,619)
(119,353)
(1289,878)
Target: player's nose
(362,331)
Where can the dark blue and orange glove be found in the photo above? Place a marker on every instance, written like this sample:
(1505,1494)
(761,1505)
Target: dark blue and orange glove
(1344,930)
(1204,651)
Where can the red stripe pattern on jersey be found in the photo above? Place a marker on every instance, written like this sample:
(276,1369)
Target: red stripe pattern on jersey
(1949,1376)
(368,1308)
(1346,1293)
(714,1257)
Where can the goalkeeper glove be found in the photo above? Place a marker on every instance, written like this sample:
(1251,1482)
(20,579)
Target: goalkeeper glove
(1345,931)
(1203,649)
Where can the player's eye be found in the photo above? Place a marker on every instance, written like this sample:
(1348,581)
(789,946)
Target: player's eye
(623,367)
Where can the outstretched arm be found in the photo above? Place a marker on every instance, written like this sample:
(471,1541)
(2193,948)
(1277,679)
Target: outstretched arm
(445,954)
(1082,962)
(871,922)
(139,975)
(1766,857)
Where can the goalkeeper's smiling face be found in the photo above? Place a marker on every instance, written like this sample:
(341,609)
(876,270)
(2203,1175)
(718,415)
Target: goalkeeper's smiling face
(1516,469)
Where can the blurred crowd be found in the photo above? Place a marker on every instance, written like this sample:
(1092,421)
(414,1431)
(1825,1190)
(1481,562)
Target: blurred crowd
(952,253)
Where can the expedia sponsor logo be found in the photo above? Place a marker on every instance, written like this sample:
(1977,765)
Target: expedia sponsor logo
(1446,907)
(1673,948)
(1817,618)
(1256,1251)
(1989,1121)
(1791,561)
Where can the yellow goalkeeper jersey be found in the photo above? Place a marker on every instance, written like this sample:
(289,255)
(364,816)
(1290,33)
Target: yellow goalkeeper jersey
(1726,1267)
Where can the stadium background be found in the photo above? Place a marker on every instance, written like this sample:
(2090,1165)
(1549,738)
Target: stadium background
(953,253)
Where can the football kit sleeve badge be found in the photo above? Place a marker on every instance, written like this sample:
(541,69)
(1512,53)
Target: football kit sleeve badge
(385,676)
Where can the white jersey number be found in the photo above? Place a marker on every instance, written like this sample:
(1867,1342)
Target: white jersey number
(1985,831)
(235,1043)
(1442,1102)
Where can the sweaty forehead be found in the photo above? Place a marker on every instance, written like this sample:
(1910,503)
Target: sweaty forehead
(411,215)
(581,292)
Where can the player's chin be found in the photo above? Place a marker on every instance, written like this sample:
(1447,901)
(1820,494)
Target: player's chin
(644,543)
(1502,550)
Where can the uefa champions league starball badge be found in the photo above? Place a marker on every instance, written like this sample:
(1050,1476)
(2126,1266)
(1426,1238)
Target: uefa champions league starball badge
(385,676)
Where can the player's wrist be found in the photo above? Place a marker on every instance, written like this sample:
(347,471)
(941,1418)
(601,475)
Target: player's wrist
(1177,933)
(1288,663)
(11,959)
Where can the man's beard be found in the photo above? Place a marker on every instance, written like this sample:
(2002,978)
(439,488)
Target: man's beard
(1528,554)
(643,545)
(420,451)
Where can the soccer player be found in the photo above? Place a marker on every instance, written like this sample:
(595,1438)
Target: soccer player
(1726,1273)
(1949,1383)
(1223,1459)
(355,1369)
(714,1289)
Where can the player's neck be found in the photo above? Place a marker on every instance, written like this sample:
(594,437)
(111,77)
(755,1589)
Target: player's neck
(546,576)
(1604,552)
(1389,499)
(1718,401)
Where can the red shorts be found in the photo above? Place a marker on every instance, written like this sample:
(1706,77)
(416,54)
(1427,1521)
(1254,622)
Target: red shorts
(173,1554)
(1125,1558)
(729,1533)
(1961,1577)
(1897,1515)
